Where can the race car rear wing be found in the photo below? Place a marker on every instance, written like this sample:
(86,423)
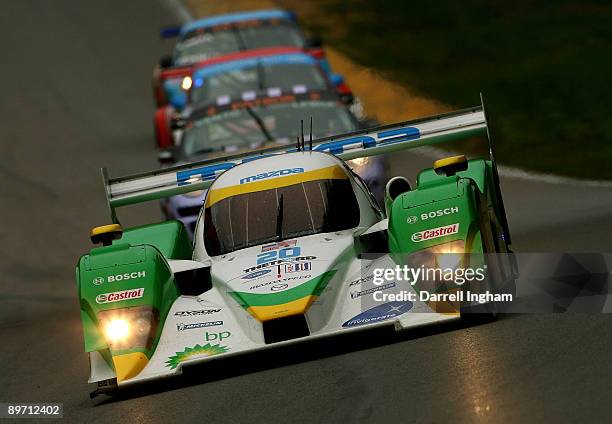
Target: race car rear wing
(132,189)
(176,72)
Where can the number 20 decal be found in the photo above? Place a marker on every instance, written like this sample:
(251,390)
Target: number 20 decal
(289,252)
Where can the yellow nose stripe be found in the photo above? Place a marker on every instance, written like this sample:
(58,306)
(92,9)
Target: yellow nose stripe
(330,173)
(129,365)
(295,307)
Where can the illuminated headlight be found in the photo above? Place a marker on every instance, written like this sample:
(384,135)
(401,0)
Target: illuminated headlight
(117,330)
(443,256)
(129,328)
(186,83)
(439,265)
(449,255)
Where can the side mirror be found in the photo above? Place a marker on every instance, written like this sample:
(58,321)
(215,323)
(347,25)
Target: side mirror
(166,156)
(165,61)
(395,187)
(451,165)
(336,79)
(178,100)
(343,90)
(105,234)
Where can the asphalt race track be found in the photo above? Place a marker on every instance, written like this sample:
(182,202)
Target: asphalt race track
(76,96)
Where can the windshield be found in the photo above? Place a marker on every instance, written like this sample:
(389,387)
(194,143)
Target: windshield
(296,78)
(283,34)
(204,44)
(237,129)
(301,209)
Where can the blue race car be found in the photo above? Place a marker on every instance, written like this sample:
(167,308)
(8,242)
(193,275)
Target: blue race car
(215,36)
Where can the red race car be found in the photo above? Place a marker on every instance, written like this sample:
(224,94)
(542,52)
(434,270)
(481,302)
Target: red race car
(243,76)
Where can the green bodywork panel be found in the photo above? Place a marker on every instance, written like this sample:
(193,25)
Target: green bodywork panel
(439,202)
(443,209)
(169,237)
(138,260)
(477,171)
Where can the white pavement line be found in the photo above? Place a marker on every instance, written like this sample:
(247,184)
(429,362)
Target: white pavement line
(509,172)
(521,174)
(179,9)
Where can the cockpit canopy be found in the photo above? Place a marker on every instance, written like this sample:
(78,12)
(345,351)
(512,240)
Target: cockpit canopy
(266,201)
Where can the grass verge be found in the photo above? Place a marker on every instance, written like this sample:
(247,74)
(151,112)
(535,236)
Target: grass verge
(543,66)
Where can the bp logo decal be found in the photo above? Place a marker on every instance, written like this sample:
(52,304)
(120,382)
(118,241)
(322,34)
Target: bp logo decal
(197,350)
(98,280)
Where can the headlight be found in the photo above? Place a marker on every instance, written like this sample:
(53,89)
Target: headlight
(117,330)
(129,328)
(186,83)
(439,258)
(449,255)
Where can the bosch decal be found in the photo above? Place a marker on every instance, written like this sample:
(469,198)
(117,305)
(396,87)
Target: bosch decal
(439,212)
(120,277)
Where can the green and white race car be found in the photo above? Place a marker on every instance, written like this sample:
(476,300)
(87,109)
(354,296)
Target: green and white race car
(290,245)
